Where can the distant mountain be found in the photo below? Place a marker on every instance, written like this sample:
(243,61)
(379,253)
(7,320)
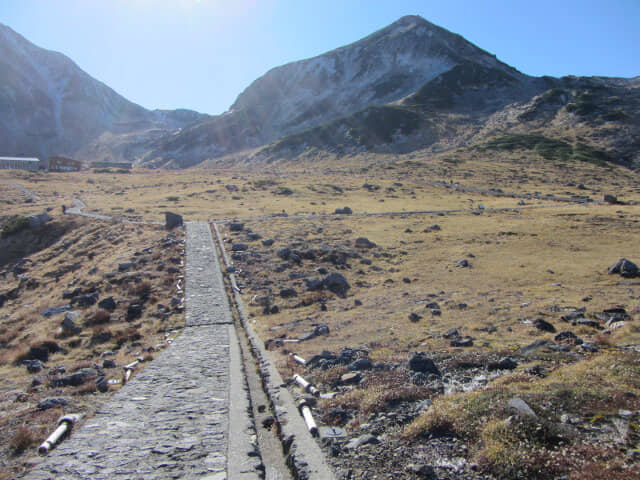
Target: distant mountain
(409,86)
(48,105)
(381,68)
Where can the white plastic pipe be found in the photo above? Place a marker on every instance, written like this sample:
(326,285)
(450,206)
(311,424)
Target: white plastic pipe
(65,424)
(299,359)
(128,369)
(307,386)
(308,418)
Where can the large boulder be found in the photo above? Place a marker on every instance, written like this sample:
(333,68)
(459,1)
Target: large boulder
(68,325)
(172,220)
(336,283)
(85,300)
(108,304)
(624,267)
(364,242)
(419,362)
(76,379)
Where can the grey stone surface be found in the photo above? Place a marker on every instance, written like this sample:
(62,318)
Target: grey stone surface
(186,414)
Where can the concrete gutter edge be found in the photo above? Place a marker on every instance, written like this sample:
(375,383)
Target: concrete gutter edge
(304,456)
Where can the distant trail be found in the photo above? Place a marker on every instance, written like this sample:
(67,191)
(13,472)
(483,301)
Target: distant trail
(27,192)
(79,206)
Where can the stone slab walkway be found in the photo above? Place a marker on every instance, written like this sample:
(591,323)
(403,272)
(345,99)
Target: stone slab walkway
(186,414)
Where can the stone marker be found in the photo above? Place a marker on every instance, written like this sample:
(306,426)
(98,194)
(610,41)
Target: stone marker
(172,220)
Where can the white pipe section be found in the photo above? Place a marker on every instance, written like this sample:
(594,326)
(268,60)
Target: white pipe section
(128,369)
(308,418)
(307,386)
(299,359)
(65,424)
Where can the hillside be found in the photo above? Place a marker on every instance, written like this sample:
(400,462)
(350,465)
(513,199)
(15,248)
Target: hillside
(384,67)
(51,106)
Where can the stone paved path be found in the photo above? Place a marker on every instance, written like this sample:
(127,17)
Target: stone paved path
(173,419)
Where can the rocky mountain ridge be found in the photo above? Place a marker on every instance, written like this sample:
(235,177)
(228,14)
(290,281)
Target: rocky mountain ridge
(51,106)
(409,86)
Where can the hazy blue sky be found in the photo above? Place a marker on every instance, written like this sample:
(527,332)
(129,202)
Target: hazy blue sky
(201,54)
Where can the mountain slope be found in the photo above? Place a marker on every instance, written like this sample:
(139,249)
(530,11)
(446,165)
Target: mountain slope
(381,68)
(50,106)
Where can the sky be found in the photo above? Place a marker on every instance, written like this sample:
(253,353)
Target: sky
(201,54)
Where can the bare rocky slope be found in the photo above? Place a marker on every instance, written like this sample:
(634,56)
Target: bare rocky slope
(50,106)
(384,67)
(409,86)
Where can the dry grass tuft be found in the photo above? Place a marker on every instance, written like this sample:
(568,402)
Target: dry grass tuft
(23,439)
(99,318)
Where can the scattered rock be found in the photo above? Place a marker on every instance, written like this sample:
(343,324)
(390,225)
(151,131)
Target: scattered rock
(69,326)
(360,364)
(625,268)
(463,263)
(109,363)
(336,283)
(462,342)
(239,247)
(68,294)
(521,407)
(50,312)
(85,300)
(38,353)
(343,211)
(568,338)
(108,304)
(284,253)
(172,220)
(236,226)
(33,366)
(102,384)
(572,317)
(452,333)
(76,379)
(351,378)
(358,442)
(432,228)
(363,242)
(134,311)
(267,242)
(288,293)
(422,471)
(536,346)
(52,402)
(414,317)
(506,363)
(611,199)
(587,322)
(419,362)
(126,266)
(543,325)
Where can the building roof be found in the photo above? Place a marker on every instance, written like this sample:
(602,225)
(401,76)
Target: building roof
(25,159)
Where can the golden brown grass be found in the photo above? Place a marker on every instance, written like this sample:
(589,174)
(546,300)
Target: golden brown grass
(525,265)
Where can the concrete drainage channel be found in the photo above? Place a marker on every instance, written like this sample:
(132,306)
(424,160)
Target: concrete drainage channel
(303,455)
